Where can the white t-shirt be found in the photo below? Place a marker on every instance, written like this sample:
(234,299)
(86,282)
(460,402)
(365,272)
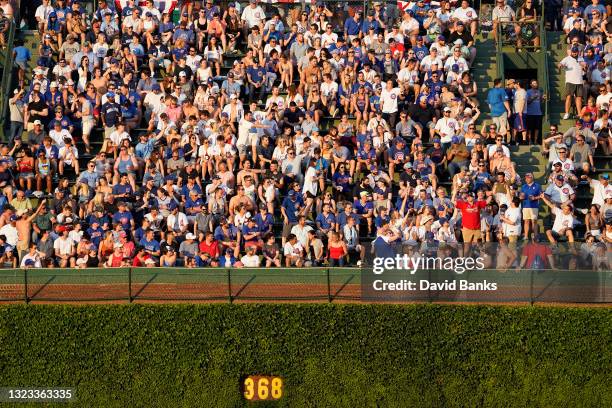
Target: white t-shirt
(328,39)
(447,128)
(573,70)
(388,100)
(58,137)
(559,194)
(63,246)
(600,192)
(514,214)
(464,14)
(311,183)
(250,261)
(428,61)
(603,99)
(278,100)
(292,250)
(330,88)
(492,148)
(566,165)
(562,220)
(68,154)
(301,234)
(253,16)
(520,95)
(117,137)
(412,76)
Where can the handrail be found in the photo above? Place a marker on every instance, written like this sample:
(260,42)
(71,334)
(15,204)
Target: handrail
(501,73)
(7,76)
(545,78)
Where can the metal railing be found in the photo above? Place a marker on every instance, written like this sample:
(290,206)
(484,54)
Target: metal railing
(520,34)
(545,83)
(7,75)
(297,285)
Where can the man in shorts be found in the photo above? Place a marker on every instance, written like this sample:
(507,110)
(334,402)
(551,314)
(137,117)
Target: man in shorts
(499,106)
(530,192)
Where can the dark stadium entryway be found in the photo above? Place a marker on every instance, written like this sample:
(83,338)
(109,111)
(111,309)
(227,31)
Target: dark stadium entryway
(525,75)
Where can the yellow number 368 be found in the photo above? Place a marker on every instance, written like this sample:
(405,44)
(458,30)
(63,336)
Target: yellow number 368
(261,388)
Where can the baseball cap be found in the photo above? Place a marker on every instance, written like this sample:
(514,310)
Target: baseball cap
(605,176)
(408,165)
(155,87)
(447,109)
(190,236)
(182,73)
(560,178)
(454,140)
(37,122)
(436,140)
(13,218)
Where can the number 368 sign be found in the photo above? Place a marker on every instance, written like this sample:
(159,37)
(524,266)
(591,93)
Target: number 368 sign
(262,388)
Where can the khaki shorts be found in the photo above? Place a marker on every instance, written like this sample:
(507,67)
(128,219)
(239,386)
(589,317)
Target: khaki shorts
(470,235)
(502,123)
(88,124)
(530,213)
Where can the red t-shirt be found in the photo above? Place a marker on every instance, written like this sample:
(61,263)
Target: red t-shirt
(532,250)
(211,249)
(138,263)
(470,213)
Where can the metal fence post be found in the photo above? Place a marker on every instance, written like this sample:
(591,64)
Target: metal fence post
(531,288)
(130,285)
(329,296)
(229,285)
(25,285)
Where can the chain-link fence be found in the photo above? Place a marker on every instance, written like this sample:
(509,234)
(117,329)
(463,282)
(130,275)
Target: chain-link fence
(303,285)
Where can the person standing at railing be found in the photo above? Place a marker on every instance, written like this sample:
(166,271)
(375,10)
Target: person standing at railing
(528,30)
(502,13)
(572,65)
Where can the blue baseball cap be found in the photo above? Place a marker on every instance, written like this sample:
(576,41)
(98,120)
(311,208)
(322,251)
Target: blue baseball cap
(455,140)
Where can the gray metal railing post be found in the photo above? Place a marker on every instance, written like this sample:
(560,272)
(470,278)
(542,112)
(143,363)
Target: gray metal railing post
(329,295)
(531,300)
(25,286)
(130,285)
(229,285)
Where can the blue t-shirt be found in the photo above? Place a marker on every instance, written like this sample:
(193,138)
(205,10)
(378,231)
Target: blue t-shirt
(246,230)
(123,218)
(534,190)
(264,223)
(534,107)
(496,98)
(152,246)
(351,26)
(326,221)
(22,54)
(257,74)
(291,208)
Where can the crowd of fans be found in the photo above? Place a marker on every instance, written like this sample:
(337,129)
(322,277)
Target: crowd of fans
(271,135)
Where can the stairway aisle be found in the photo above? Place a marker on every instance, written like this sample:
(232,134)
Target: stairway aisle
(556,52)
(484,70)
